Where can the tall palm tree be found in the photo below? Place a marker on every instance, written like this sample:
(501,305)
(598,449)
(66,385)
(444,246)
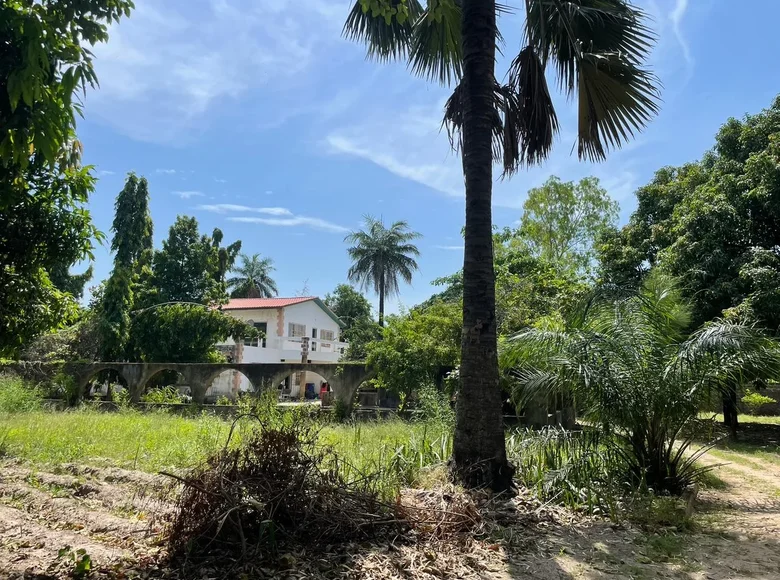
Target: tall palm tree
(631,365)
(597,49)
(380,256)
(253,278)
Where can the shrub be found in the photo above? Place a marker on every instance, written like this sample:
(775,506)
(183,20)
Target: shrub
(754,401)
(434,405)
(167,395)
(18,396)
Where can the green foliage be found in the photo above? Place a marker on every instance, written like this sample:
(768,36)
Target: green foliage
(183,333)
(17,396)
(132,225)
(714,224)
(79,559)
(627,361)
(754,401)
(355,311)
(253,279)
(167,395)
(434,405)
(44,226)
(561,221)
(191,267)
(380,256)
(78,342)
(415,347)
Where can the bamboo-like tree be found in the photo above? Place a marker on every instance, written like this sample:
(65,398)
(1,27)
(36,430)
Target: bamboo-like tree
(597,48)
(380,256)
(628,361)
(252,278)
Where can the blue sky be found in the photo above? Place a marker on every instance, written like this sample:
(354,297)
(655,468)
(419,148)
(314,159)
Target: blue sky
(256,117)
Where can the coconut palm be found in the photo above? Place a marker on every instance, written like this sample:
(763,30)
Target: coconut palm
(253,278)
(380,256)
(597,48)
(626,359)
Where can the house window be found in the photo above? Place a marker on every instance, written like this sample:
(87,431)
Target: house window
(296,330)
(314,346)
(327,335)
(314,333)
(262,327)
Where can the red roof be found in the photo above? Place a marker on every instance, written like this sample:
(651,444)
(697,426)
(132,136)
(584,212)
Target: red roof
(254,303)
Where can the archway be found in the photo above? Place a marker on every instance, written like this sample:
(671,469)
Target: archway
(165,385)
(302,386)
(106,384)
(230,384)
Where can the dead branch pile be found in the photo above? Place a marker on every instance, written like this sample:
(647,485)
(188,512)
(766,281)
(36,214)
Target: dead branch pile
(441,513)
(277,487)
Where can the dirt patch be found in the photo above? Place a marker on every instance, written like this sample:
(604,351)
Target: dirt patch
(116,517)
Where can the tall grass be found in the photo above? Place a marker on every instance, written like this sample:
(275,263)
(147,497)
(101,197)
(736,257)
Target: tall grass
(17,396)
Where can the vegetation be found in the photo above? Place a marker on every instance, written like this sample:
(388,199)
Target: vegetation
(626,360)
(380,256)
(753,401)
(252,278)
(354,310)
(44,227)
(597,50)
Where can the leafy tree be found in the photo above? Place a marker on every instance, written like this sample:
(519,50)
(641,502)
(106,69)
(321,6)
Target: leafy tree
(716,225)
(132,225)
(380,256)
(561,221)
(415,346)
(72,284)
(183,333)
(44,228)
(597,48)
(355,311)
(191,267)
(631,366)
(253,279)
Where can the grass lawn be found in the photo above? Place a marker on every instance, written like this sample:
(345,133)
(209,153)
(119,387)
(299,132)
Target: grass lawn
(158,441)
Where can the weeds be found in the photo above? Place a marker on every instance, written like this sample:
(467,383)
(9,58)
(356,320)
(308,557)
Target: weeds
(18,396)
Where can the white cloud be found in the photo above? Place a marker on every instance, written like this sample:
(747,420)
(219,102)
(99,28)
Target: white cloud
(188,194)
(269,192)
(452,248)
(220,180)
(229,207)
(169,64)
(676,16)
(315,223)
(105,172)
(165,171)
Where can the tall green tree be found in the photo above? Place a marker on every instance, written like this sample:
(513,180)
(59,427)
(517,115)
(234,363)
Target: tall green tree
(252,279)
(380,256)
(597,48)
(355,311)
(191,267)
(562,220)
(44,226)
(132,247)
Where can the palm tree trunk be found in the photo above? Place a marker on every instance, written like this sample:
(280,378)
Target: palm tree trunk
(382,299)
(479,449)
(730,411)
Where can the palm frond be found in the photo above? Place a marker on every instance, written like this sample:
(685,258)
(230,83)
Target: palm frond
(436,51)
(385,37)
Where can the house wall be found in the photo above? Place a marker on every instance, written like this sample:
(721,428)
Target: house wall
(277,348)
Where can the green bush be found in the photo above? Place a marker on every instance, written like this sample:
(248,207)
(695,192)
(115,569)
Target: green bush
(434,405)
(17,396)
(754,401)
(167,395)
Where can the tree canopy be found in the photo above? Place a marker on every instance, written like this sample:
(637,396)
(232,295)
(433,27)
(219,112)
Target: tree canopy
(355,311)
(713,223)
(381,256)
(252,279)
(562,220)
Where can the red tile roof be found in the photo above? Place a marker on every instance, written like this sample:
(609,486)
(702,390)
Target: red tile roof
(253,303)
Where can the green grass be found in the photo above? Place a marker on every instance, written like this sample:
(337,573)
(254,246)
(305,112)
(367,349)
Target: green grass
(745,418)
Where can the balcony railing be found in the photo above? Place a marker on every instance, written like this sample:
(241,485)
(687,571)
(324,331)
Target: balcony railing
(294,344)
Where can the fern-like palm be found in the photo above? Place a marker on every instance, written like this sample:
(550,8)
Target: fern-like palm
(382,256)
(252,279)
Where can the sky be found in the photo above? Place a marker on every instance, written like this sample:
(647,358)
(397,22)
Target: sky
(257,117)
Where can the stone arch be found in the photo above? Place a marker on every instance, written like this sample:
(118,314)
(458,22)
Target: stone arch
(151,371)
(292,391)
(84,375)
(228,382)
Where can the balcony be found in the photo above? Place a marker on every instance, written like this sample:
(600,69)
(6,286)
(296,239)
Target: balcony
(288,348)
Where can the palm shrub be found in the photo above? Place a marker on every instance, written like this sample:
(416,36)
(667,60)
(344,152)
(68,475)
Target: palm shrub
(626,359)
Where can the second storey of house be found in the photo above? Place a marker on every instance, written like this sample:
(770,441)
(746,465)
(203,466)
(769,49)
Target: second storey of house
(285,322)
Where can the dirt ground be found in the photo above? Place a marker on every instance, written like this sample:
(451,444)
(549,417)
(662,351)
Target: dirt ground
(115,516)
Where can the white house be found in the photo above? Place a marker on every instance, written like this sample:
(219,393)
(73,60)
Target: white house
(286,324)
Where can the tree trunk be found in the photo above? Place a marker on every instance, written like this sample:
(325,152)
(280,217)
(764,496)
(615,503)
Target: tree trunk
(382,299)
(479,450)
(730,411)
